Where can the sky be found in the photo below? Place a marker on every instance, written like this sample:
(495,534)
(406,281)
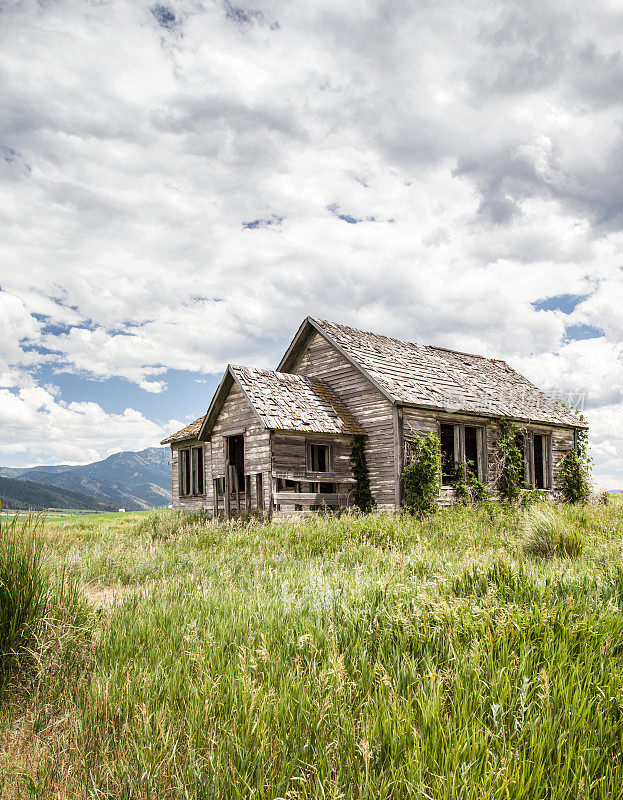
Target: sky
(183,182)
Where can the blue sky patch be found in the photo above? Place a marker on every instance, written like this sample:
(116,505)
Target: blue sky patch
(263,223)
(560,302)
(577,332)
(163,16)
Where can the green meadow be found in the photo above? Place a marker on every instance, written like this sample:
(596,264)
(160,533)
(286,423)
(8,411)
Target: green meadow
(475,654)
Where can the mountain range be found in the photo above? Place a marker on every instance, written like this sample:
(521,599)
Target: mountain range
(130,480)
(18,493)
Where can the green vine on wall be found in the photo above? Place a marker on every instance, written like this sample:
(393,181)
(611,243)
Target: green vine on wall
(511,468)
(421,475)
(362,493)
(575,480)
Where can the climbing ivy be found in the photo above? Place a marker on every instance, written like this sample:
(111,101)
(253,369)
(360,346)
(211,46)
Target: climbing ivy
(421,475)
(511,467)
(362,494)
(467,488)
(576,471)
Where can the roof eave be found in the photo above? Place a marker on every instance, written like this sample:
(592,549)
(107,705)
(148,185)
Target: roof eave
(527,420)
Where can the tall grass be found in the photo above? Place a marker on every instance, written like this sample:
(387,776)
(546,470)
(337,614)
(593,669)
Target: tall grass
(359,657)
(548,532)
(24,587)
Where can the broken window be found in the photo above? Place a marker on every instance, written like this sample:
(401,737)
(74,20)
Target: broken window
(287,485)
(235,463)
(191,471)
(318,457)
(537,460)
(461,444)
(535,454)
(472,451)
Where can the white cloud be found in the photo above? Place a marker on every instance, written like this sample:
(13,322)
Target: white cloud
(39,426)
(424,170)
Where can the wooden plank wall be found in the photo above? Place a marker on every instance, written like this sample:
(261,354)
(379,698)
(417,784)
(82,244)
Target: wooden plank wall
(373,411)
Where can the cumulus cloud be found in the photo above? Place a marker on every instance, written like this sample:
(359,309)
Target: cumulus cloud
(184,181)
(37,424)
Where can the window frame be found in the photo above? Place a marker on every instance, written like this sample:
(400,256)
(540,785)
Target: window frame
(191,471)
(529,464)
(309,445)
(459,446)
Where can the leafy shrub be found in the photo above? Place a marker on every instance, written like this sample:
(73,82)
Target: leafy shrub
(576,471)
(24,588)
(532,496)
(546,534)
(575,485)
(421,475)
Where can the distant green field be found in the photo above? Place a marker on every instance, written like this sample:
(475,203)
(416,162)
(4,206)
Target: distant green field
(358,657)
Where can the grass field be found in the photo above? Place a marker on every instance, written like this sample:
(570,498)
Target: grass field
(478,654)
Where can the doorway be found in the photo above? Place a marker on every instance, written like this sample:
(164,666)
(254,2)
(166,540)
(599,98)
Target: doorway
(235,463)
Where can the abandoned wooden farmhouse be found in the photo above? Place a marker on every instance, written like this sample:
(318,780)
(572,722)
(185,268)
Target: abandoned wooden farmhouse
(280,440)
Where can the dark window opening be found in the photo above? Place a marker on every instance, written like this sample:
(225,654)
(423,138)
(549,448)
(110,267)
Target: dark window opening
(326,488)
(448,454)
(191,472)
(235,462)
(220,485)
(471,449)
(287,485)
(539,461)
(319,458)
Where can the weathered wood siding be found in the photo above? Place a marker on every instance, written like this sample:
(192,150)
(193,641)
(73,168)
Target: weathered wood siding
(237,417)
(372,410)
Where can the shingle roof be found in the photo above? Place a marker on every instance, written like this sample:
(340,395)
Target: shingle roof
(294,403)
(189,432)
(434,377)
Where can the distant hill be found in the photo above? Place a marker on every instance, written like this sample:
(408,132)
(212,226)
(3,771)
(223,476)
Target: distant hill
(18,493)
(130,480)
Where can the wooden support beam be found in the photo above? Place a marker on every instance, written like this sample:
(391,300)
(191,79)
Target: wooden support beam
(247,493)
